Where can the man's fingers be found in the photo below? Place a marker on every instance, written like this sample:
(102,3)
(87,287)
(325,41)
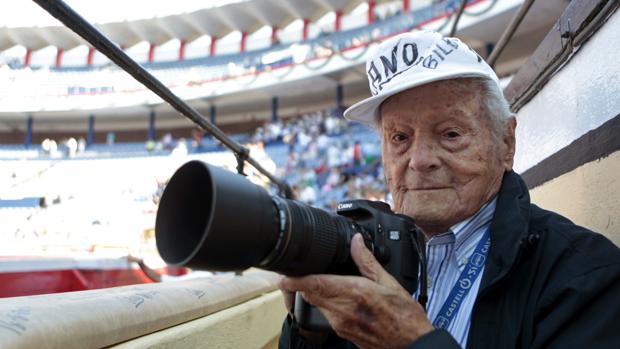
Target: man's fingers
(364,259)
(324,290)
(320,285)
(317,288)
(368,264)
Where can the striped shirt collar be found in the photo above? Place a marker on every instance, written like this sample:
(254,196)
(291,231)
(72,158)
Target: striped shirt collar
(447,256)
(468,229)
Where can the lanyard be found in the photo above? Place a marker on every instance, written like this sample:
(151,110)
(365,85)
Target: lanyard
(474,267)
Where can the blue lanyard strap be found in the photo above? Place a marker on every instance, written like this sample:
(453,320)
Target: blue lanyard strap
(474,267)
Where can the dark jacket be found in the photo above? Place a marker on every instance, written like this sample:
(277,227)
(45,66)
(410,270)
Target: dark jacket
(548,283)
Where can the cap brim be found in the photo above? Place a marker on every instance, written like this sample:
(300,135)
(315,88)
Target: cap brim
(367,110)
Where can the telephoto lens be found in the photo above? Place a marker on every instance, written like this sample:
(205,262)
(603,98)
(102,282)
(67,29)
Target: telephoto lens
(210,218)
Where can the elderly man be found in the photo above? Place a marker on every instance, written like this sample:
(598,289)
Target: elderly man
(502,272)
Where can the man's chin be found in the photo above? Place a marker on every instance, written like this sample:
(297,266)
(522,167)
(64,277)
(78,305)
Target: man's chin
(429,203)
(427,215)
(431,217)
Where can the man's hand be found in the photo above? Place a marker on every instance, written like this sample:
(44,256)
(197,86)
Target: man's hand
(373,311)
(289,300)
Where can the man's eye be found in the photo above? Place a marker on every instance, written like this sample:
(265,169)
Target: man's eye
(452,135)
(399,137)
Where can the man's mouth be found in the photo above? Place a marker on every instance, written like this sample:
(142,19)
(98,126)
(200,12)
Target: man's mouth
(423,188)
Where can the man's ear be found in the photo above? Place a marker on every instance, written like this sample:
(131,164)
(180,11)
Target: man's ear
(508,143)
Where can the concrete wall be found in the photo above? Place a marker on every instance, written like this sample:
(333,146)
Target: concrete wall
(582,96)
(567,136)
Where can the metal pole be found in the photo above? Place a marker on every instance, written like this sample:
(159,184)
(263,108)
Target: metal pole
(510,30)
(80,26)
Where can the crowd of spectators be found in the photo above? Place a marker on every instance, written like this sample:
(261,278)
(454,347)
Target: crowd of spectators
(328,159)
(110,199)
(67,147)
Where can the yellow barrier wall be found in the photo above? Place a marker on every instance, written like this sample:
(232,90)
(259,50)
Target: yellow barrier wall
(253,324)
(589,196)
(217,312)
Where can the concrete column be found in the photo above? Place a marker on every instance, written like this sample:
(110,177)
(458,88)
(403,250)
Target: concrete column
(212,46)
(151,131)
(304,33)
(338,20)
(182,44)
(371,11)
(339,97)
(212,111)
(151,55)
(274,109)
(405,5)
(28,138)
(90,56)
(27,57)
(90,136)
(274,35)
(58,57)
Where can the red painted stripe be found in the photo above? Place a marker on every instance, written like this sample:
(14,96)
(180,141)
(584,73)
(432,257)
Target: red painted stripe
(55,281)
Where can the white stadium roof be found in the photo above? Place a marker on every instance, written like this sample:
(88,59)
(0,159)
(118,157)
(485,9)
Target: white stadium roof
(303,87)
(245,16)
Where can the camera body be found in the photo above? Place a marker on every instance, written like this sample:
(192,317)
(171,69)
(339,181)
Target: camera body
(392,238)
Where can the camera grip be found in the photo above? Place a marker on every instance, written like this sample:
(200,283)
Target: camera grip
(309,317)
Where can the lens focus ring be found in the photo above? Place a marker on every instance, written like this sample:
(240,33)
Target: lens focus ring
(313,242)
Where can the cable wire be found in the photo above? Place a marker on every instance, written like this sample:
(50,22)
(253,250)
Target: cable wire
(509,32)
(458,17)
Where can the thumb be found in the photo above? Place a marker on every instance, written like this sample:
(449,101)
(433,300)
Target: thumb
(368,264)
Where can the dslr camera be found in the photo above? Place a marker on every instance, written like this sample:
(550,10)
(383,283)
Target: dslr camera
(211,219)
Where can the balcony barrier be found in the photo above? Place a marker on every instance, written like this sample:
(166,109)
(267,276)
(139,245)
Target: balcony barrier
(220,312)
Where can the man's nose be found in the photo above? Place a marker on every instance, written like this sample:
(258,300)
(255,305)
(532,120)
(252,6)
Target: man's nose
(423,155)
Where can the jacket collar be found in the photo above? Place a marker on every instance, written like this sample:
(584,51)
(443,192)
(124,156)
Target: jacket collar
(510,225)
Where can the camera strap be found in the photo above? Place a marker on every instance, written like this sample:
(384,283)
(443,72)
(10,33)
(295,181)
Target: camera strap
(474,267)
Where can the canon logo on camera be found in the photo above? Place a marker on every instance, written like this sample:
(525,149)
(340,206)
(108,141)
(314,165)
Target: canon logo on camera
(345,206)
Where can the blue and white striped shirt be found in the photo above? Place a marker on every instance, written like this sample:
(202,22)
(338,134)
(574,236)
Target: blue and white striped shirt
(447,254)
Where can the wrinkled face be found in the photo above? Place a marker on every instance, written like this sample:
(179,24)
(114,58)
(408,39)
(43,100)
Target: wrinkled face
(441,157)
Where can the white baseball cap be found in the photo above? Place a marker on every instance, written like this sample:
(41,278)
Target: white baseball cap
(412,59)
